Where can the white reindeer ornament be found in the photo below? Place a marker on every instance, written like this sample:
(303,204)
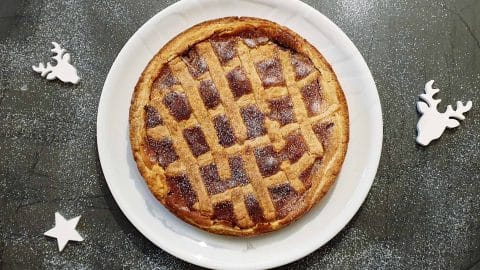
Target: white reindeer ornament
(432,123)
(63,70)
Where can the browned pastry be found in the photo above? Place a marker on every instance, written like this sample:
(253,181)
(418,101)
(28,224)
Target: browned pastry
(238,126)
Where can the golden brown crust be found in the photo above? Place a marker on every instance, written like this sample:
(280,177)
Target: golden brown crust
(323,174)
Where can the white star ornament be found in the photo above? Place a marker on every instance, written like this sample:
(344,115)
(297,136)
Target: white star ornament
(64,231)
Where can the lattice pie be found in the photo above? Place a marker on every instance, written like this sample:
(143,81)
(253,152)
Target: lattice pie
(239,126)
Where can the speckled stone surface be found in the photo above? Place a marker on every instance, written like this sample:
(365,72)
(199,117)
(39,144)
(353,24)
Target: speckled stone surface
(423,210)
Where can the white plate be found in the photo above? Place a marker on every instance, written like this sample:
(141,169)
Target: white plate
(297,240)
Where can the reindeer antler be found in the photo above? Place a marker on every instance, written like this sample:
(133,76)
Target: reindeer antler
(58,52)
(42,69)
(48,70)
(461,109)
(429,93)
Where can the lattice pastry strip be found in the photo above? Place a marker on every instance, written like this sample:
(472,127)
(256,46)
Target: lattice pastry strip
(192,87)
(184,152)
(241,212)
(228,100)
(299,105)
(249,60)
(257,184)
(158,132)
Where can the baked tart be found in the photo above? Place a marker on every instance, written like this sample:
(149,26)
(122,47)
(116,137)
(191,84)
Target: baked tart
(238,126)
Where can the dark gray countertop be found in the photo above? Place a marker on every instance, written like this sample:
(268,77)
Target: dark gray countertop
(423,210)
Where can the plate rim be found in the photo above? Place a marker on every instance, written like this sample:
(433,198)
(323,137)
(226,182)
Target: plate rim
(363,189)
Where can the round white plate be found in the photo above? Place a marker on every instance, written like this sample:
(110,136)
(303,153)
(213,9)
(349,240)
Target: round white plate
(196,246)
